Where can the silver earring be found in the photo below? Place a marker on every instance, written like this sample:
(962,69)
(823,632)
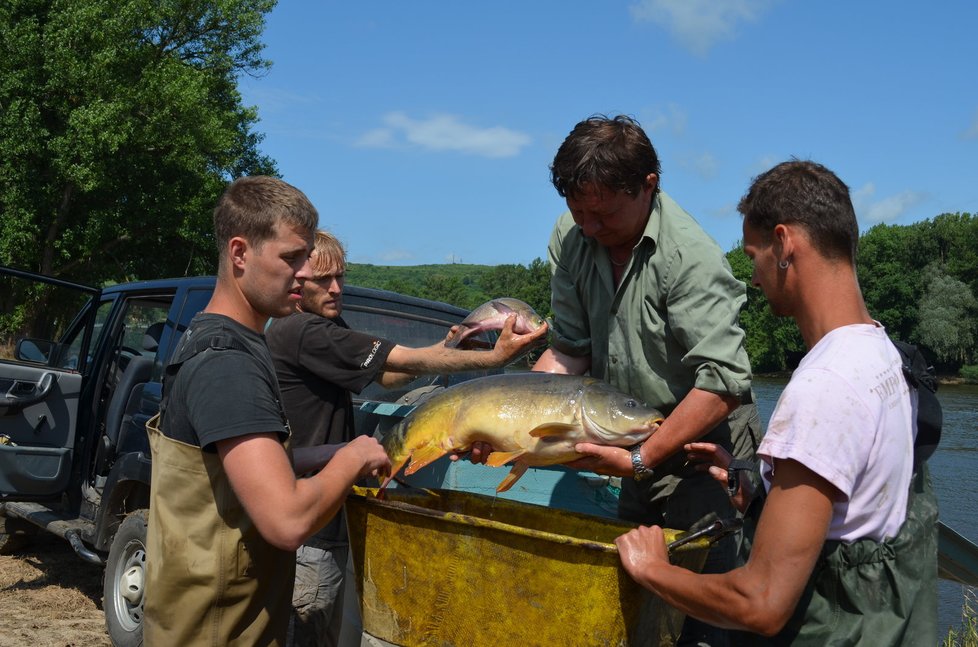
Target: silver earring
(783,264)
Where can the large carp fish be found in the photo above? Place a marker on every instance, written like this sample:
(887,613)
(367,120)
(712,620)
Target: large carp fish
(530,419)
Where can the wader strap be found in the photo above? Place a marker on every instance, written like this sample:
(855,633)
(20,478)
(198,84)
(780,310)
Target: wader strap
(218,342)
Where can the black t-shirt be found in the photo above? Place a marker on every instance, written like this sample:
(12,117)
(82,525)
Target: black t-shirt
(318,362)
(221,392)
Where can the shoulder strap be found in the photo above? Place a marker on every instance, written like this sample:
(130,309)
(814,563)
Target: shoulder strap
(216,342)
(920,376)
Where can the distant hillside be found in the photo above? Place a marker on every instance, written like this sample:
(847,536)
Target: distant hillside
(383,276)
(464,285)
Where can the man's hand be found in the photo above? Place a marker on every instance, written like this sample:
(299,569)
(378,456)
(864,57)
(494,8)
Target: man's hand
(715,459)
(510,346)
(641,550)
(478,454)
(603,459)
(371,456)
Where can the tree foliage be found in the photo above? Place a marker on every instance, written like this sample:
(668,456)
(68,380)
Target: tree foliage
(528,283)
(949,320)
(120,124)
(771,342)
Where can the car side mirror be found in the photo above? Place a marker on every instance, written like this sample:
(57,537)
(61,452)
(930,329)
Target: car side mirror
(34,350)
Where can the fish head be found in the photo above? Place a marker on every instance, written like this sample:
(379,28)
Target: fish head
(394,441)
(611,417)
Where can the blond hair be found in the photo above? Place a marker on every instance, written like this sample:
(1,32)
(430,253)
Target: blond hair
(328,255)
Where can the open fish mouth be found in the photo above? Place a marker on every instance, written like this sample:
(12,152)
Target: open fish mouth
(618,437)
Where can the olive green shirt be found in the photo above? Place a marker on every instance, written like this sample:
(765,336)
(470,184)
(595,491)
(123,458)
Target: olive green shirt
(671,325)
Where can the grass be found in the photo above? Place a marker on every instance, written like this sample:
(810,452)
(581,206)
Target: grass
(966,634)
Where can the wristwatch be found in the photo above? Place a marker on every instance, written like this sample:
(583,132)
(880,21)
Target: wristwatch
(642,471)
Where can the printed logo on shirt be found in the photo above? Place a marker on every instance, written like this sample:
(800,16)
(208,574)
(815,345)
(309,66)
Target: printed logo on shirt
(889,383)
(370,357)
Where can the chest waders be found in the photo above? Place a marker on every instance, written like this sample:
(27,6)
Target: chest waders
(874,593)
(220,583)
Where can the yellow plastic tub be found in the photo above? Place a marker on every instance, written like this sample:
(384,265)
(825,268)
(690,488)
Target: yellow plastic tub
(442,567)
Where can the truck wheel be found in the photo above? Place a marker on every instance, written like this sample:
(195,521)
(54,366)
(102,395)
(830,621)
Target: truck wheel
(14,534)
(124,582)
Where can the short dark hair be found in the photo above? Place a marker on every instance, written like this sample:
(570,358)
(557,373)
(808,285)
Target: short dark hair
(610,152)
(252,206)
(808,194)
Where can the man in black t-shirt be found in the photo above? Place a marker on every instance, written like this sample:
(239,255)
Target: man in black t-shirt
(226,509)
(319,361)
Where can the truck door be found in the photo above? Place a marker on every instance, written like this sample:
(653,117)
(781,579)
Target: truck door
(48,330)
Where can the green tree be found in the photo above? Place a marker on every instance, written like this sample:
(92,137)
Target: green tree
(771,341)
(949,320)
(120,124)
(528,283)
(888,266)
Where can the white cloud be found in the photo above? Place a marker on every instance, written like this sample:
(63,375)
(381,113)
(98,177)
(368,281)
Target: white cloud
(671,117)
(445,133)
(887,209)
(972,132)
(703,165)
(765,163)
(699,24)
(378,138)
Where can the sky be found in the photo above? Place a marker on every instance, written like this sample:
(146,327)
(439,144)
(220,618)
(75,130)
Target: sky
(423,130)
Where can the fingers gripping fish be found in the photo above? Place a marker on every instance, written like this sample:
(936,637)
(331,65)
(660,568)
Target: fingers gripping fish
(530,419)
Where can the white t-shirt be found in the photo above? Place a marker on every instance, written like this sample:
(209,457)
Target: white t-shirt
(847,415)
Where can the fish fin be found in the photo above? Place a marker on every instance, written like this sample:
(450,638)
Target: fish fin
(552,429)
(395,468)
(514,475)
(423,456)
(503,308)
(498,459)
(464,330)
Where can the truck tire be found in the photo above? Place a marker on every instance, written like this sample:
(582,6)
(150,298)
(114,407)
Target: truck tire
(125,577)
(14,534)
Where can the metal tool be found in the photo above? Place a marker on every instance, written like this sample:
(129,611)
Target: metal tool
(714,532)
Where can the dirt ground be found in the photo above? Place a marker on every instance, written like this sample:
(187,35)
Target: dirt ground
(49,597)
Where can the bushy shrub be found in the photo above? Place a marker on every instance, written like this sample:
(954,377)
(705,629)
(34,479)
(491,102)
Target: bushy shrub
(970,373)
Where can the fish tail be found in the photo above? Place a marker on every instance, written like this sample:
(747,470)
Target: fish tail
(396,467)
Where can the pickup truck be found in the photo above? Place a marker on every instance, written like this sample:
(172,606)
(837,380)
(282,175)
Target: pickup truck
(80,374)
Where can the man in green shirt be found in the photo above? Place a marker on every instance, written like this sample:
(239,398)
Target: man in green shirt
(644,299)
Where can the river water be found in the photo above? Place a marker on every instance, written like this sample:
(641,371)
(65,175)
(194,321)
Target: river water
(954,470)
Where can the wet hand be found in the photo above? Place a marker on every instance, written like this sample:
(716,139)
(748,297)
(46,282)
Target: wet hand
(714,459)
(510,345)
(642,549)
(602,459)
(477,454)
(706,455)
(371,455)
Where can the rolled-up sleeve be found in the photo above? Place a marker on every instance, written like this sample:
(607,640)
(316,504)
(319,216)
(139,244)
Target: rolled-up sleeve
(703,304)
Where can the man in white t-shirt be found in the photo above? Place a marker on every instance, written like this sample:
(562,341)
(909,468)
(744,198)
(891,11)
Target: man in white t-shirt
(845,550)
